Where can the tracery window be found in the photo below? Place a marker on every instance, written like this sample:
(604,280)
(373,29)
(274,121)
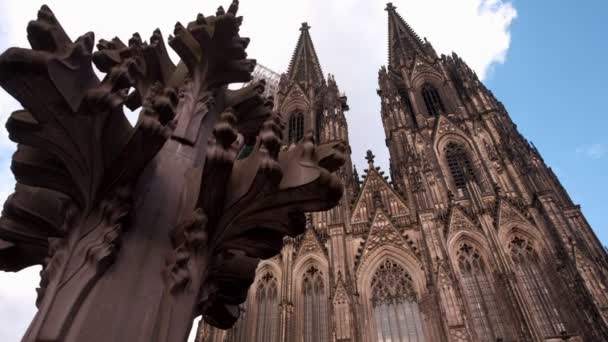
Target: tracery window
(395,306)
(527,269)
(267,313)
(480,294)
(315,306)
(458,164)
(432,100)
(296,127)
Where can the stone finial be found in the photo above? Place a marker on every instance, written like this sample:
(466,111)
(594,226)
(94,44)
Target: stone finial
(390,7)
(370,157)
(305,27)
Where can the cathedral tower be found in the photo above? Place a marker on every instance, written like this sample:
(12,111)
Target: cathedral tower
(505,239)
(473,238)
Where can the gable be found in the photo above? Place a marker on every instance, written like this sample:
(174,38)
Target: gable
(459,221)
(310,244)
(381,232)
(376,188)
(384,236)
(340,293)
(444,126)
(508,214)
(295,97)
(421,67)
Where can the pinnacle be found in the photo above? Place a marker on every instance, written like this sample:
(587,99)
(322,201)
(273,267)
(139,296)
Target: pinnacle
(304,66)
(305,27)
(370,158)
(404,42)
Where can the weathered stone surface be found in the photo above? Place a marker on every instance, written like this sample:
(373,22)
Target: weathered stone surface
(141,229)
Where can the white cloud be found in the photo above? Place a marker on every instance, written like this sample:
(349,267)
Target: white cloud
(593,151)
(349,35)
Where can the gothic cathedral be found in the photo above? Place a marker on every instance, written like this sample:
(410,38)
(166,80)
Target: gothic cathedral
(473,238)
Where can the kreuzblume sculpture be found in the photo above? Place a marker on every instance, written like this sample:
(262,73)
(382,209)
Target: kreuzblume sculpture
(141,229)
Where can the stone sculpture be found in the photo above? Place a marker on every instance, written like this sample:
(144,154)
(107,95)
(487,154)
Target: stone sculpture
(141,229)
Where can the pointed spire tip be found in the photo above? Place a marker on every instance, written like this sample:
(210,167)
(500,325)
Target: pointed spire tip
(304,65)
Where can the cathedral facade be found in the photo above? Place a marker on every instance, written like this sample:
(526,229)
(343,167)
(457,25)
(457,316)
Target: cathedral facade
(473,238)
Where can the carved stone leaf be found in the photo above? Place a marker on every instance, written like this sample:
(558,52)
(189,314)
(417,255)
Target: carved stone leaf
(76,161)
(268,193)
(30,216)
(78,156)
(77,130)
(269,201)
(250,108)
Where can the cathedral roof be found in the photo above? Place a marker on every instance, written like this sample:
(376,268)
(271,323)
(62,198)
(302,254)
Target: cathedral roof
(304,66)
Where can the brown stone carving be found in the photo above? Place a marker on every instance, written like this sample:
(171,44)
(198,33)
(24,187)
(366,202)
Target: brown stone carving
(141,229)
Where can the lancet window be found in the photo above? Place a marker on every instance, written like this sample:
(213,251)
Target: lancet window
(458,164)
(315,304)
(395,305)
(432,100)
(534,286)
(296,127)
(480,295)
(267,313)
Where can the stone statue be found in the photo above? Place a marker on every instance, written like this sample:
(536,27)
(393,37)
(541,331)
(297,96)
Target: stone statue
(141,229)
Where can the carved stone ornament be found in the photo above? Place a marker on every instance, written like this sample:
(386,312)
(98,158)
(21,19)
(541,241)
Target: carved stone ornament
(141,229)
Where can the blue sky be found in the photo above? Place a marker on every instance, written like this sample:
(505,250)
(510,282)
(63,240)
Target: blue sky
(554,85)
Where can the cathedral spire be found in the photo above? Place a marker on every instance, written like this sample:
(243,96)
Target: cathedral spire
(304,66)
(403,42)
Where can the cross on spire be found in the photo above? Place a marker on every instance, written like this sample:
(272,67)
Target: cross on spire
(390,7)
(370,157)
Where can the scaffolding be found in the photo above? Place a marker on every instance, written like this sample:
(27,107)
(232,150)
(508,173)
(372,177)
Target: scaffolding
(272,79)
